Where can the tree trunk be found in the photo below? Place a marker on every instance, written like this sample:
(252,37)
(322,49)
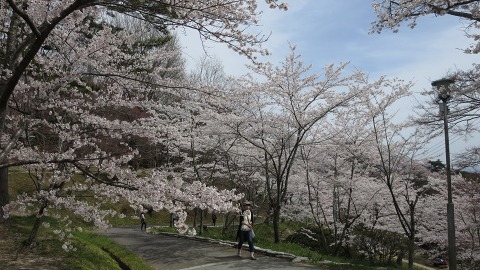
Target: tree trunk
(195,218)
(3,190)
(36,226)
(201,221)
(411,236)
(276,223)
(227,223)
(4,200)
(34,232)
(411,250)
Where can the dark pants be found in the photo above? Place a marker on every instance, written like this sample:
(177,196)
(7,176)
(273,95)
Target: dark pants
(144,224)
(246,235)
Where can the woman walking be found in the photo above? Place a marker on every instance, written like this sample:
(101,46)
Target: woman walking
(246,230)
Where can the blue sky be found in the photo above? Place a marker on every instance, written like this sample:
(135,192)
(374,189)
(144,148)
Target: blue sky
(327,32)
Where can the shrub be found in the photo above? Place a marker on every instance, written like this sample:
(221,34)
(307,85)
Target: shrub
(311,238)
(379,246)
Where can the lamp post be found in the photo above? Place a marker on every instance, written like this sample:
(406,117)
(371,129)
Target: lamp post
(443,89)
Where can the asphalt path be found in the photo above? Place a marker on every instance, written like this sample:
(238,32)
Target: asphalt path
(170,252)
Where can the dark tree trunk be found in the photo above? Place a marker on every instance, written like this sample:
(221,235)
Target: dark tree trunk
(411,236)
(411,250)
(4,200)
(3,190)
(276,223)
(201,221)
(34,232)
(227,223)
(195,218)
(36,226)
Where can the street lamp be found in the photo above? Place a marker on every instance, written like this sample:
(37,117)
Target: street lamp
(443,88)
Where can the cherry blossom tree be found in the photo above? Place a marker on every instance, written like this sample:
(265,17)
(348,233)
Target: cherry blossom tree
(67,70)
(333,191)
(407,181)
(347,174)
(468,224)
(380,150)
(207,147)
(337,168)
(278,115)
(469,159)
(30,28)
(209,71)
(392,13)
(83,135)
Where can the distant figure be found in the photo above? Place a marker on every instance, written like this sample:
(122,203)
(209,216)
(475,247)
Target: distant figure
(214,219)
(172,220)
(142,220)
(175,218)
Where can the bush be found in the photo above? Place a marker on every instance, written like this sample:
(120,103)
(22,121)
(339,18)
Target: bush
(311,238)
(379,246)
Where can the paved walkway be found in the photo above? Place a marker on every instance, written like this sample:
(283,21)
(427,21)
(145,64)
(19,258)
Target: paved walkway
(169,252)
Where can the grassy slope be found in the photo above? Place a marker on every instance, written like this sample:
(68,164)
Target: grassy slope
(92,251)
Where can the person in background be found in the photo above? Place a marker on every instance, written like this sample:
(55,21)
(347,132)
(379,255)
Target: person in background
(246,229)
(214,218)
(142,220)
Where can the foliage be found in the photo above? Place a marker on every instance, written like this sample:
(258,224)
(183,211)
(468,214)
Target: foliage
(436,166)
(379,246)
(312,239)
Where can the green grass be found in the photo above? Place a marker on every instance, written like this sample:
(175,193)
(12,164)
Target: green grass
(99,252)
(92,251)
(19,183)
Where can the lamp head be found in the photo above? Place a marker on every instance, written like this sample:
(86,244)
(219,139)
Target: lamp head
(443,88)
